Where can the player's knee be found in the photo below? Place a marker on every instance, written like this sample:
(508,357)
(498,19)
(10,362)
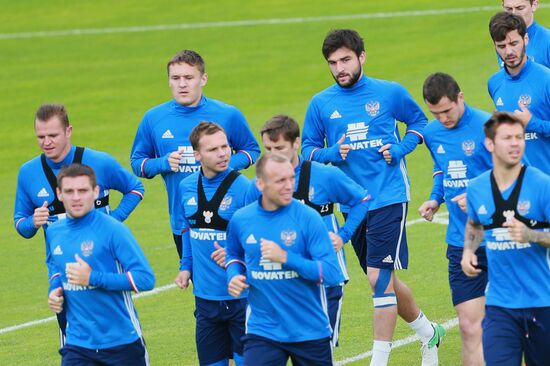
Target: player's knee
(470,327)
(382,286)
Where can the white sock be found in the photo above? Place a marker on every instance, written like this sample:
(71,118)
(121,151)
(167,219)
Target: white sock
(380,353)
(423,328)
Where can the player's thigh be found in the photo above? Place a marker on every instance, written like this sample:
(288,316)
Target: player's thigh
(464,288)
(235,322)
(260,351)
(132,354)
(503,330)
(359,243)
(211,335)
(317,352)
(387,237)
(77,356)
(537,348)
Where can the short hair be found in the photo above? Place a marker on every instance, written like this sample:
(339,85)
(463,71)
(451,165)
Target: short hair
(530,2)
(47,111)
(439,85)
(76,170)
(281,125)
(497,119)
(503,23)
(262,161)
(203,128)
(339,38)
(188,57)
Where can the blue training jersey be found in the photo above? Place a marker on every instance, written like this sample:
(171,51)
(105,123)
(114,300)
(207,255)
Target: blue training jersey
(531,86)
(209,279)
(459,155)
(538,47)
(166,128)
(33,187)
(519,273)
(100,315)
(287,302)
(329,185)
(367,113)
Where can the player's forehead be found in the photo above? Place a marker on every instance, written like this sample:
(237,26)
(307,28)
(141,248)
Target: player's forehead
(278,141)
(51,125)
(508,129)
(81,182)
(275,171)
(515,3)
(444,104)
(183,68)
(341,53)
(511,36)
(213,140)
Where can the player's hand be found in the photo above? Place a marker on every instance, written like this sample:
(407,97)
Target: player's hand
(524,115)
(337,242)
(519,232)
(428,209)
(344,148)
(460,200)
(174,159)
(182,279)
(386,154)
(41,215)
(272,251)
(78,273)
(55,300)
(237,285)
(469,263)
(218,255)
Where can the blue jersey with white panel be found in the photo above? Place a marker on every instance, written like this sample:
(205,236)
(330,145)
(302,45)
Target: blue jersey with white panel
(166,128)
(519,273)
(329,185)
(459,155)
(531,87)
(33,188)
(100,315)
(538,47)
(209,279)
(367,113)
(279,293)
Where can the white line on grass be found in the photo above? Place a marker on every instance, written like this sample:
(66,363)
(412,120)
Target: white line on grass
(439,218)
(250,22)
(451,323)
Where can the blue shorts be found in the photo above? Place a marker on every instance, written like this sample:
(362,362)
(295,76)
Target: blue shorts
(464,288)
(383,233)
(509,334)
(335,294)
(132,354)
(219,329)
(260,351)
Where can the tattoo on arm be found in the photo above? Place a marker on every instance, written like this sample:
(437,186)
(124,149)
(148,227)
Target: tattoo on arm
(539,237)
(474,235)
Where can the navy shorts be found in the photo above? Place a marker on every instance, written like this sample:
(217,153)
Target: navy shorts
(383,232)
(509,334)
(132,354)
(260,351)
(219,329)
(178,242)
(335,294)
(464,288)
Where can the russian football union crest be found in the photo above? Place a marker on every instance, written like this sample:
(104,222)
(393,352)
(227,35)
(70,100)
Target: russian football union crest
(509,215)
(288,237)
(207,216)
(226,202)
(525,99)
(468,147)
(87,247)
(523,207)
(373,108)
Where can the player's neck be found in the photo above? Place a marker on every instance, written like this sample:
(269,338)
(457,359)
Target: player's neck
(506,175)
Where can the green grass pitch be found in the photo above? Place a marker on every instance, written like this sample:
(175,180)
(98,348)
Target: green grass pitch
(109,79)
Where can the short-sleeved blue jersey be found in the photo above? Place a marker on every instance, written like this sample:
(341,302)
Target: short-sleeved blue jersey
(519,273)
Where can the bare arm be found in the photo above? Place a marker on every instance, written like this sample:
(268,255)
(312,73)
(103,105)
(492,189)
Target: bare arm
(472,240)
(522,234)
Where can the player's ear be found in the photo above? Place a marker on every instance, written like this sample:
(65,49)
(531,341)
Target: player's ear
(204,79)
(96,192)
(260,184)
(69,131)
(59,194)
(489,144)
(197,155)
(362,57)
